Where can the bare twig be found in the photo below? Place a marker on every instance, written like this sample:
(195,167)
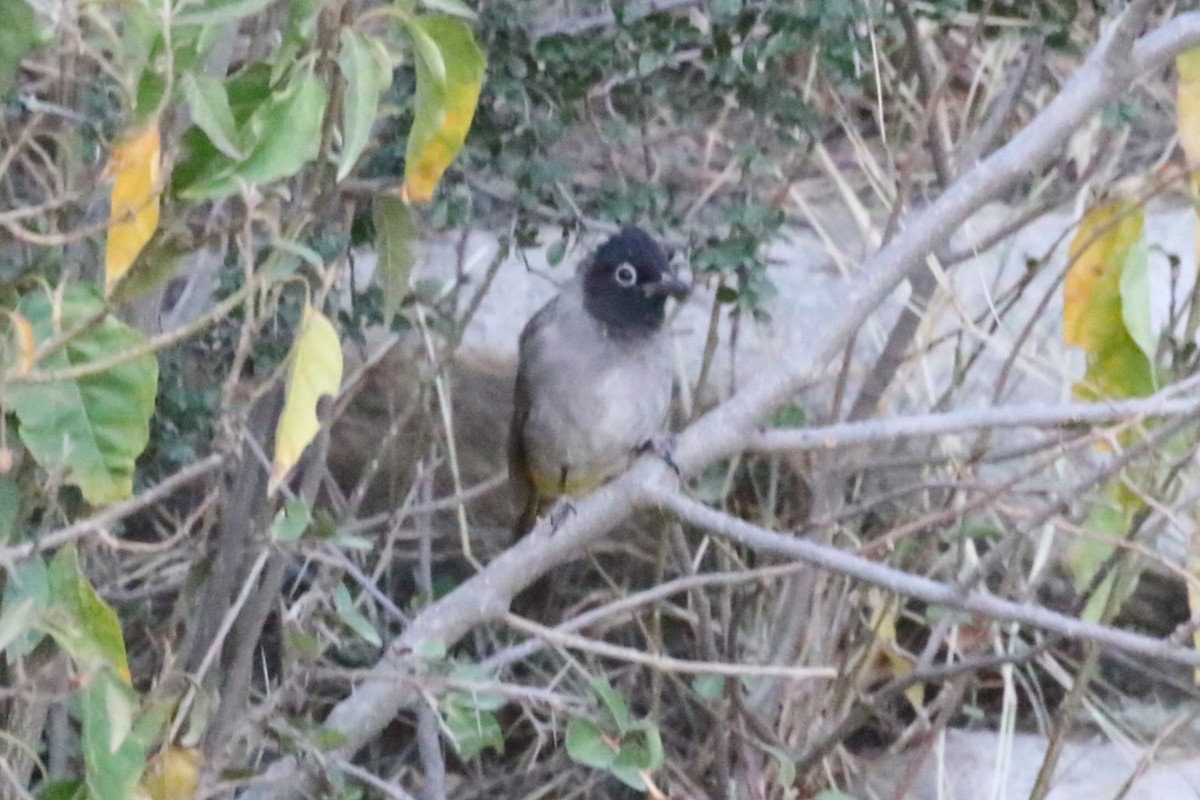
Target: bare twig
(846,434)
(668,663)
(104,519)
(922,588)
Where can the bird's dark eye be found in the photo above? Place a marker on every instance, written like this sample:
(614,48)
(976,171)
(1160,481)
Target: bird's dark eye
(626,275)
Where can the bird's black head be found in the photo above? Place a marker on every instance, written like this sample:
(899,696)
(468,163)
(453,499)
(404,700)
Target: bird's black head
(626,284)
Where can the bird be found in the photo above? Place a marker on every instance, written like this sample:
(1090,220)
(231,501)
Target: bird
(594,376)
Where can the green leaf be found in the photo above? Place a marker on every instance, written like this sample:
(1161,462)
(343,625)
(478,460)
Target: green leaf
(429,53)
(472,730)
(556,252)
(216,12)
(586,745)
(80,621)
(455,8)
(1135,298)
(1093,308)
(396,248)
(285,133)
(450,70)
(618,709)
(353,618)
(432,650)
(114,744)
(15,621)
(18,35)
(26,597)
(10,508)
(632,758)
(93,428)
(789,416)
(209,105)
(63,790)
(365,66)
(834,794)
(292,521)
(710,687)
(481,700)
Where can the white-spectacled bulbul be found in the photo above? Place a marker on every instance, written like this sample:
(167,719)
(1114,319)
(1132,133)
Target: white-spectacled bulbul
(594,376)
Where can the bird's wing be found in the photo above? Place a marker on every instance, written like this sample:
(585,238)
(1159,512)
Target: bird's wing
(519,478)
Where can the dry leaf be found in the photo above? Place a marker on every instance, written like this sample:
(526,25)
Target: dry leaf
(25,340)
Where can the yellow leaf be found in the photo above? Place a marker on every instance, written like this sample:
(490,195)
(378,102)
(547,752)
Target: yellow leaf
(450,71)
(133,215)
(1096,256)
(315,372)
(898,663)
(1187,105)
(25,340)
(173,774)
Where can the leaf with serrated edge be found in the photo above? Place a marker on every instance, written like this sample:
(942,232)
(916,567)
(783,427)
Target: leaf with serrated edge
(314,371)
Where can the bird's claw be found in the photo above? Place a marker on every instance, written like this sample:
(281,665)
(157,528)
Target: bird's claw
(558,514)
(663,446)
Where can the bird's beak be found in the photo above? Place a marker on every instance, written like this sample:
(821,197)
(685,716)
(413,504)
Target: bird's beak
(671,285)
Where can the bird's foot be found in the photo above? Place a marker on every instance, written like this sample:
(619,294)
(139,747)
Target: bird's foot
(558,513)
(663,446)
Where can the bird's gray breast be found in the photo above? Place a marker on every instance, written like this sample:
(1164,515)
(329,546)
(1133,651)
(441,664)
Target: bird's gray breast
(593,399)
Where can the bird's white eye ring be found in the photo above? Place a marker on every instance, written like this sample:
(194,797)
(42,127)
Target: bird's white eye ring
(626,275)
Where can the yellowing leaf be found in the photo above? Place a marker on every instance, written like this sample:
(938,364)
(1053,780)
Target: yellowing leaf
(315,372)
(1187,105)
(450,71)
(883,622)
(173,774)
(1102,313)
(1096,256)
(25,340)
(133,215)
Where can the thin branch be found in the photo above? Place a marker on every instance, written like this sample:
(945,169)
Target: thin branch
(846,434)
(931,591)
(665,663)
(104,519)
